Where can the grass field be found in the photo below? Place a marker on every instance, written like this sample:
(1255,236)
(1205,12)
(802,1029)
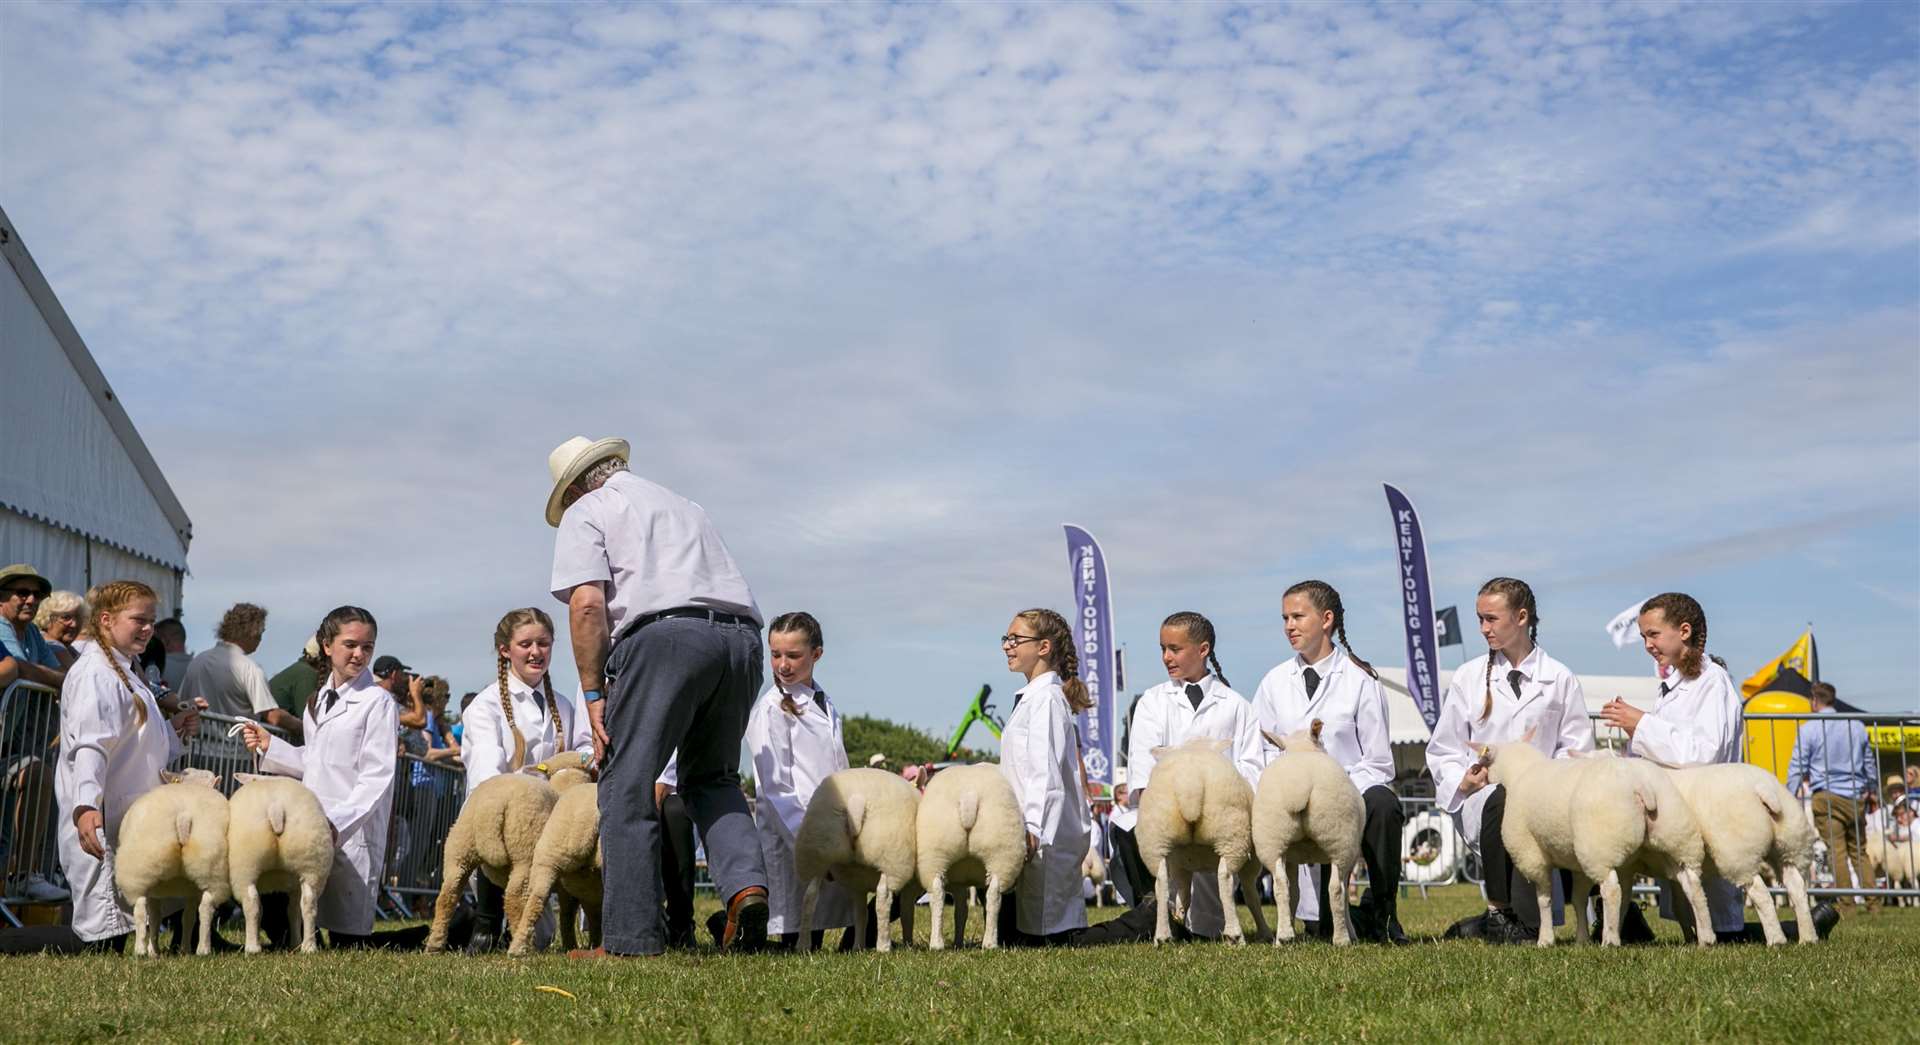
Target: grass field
(1859,986)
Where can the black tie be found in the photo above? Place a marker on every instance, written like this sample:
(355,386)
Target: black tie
(1663,689)
(326,704)
(1313,681)
(1195,694)
(1513,679)
(820,698)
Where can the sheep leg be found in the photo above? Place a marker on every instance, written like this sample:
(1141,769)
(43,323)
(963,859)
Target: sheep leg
(206,922)
(309,916)
(250,909)
(883,911)
(1230,930)
(539,884)
(461,860)
(1762,901)
(1283,900)
(1341,914)
(960,904)
(808,898)
(1543,902)
(938,890)
(1162,930)
(1796,884)
(1610,897)
(516,903)
(1250,889)
(1689,879)
(142,928)
(1582,922)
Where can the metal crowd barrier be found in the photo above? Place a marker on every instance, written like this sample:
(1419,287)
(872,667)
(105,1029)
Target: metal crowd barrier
(29,742)
(426,800)
(211,749)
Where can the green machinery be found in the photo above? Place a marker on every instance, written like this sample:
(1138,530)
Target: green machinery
(978,711)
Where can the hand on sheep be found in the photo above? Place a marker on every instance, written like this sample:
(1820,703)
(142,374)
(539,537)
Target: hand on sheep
(1619,713)
(187,722)
(89,821)
(1475,779)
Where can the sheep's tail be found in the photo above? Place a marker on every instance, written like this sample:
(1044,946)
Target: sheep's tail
(969,810)
(856,814)
(183,825)
(1769,797)
(1649,800)
(277,817)
(1189,796)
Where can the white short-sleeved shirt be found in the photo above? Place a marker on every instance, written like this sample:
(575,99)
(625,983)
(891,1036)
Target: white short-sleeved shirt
(654,549)
(229,681)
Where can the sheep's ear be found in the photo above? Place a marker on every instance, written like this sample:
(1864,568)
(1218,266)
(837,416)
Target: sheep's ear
(1162,752)
(251,778)
(1315,730)
(168,776)
(1275,741)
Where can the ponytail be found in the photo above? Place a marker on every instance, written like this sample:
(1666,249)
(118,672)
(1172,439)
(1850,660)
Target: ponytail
(519,757)
(1518,597)
(1324,599)
(1052,628)
(502,638)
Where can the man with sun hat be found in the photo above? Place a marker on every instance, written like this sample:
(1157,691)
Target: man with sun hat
(666,636)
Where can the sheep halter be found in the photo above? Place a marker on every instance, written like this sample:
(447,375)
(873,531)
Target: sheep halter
(237,729)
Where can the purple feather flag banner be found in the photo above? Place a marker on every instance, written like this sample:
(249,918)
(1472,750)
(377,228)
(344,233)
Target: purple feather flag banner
(1092,624)
(1416,607)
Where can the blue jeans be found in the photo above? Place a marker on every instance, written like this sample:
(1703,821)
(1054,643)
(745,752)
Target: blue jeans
(685,684)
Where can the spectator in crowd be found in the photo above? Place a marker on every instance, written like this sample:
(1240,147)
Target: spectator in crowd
(1833,761)
(408,690)
(458,734)
(224,674)
(59,619)
(21,590)
(171,634)
(292,687)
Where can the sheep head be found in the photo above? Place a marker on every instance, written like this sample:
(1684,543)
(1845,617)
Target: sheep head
(1504,762)
(202,777)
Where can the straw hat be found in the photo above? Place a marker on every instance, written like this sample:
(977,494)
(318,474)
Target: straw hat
(571,459)
(21,571)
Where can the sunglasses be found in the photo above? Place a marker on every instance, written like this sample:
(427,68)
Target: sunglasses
(23,593)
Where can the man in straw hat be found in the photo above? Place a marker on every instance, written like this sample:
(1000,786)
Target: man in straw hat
(666,636)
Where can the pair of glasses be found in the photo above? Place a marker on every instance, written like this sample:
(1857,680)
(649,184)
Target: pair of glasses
(23,593)
(1016,640)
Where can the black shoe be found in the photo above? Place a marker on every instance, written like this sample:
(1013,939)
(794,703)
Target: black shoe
(483,941)
(1825,917)
(1504,927)
(1633,925)
(1469,928)
(681,938)
(1396,936)
(717,926)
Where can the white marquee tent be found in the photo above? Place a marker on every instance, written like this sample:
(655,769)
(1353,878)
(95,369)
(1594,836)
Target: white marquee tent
(81,499)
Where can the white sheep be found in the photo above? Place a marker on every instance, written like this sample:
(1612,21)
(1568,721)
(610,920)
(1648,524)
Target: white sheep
(567,856)
(173,843)
(859,829)
(1898,860)
(1198,816)
(1307,811)
(497,831)
(278,841)
(969,833)
(1749,821)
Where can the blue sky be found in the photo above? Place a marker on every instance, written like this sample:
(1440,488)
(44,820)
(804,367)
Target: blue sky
(1626,297)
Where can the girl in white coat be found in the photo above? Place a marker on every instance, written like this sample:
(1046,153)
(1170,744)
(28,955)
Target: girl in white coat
(793,735)
(1343,692)
(1696,721)
(516,723)
(113,745)
(352,726)
(1039,755)
(1195,701)
(1515,692)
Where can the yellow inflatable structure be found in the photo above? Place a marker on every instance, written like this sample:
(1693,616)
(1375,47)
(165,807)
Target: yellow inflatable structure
(1770,741)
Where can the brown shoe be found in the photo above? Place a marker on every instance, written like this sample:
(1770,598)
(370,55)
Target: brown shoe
(746,920)
(597,952)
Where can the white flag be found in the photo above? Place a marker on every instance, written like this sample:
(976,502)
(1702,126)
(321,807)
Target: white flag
(1625,628)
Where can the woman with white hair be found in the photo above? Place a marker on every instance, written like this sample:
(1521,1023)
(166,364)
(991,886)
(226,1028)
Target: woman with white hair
(59,619)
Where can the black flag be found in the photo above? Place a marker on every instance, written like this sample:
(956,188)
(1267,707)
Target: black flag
(1446,626)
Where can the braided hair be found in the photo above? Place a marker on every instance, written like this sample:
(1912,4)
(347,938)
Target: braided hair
(1198,629)
(1677,609)
(1050,627)
(1519,599)
(502,638)
(801,622)
(329,629)
(1326,599)
(105,601)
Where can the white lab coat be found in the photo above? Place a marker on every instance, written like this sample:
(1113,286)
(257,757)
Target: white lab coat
(1551,705)
(104,763)
(1040,757)
(1697,722)
(791,758)
(1352,709)
(486,744)
(348,763)
(1165,717)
